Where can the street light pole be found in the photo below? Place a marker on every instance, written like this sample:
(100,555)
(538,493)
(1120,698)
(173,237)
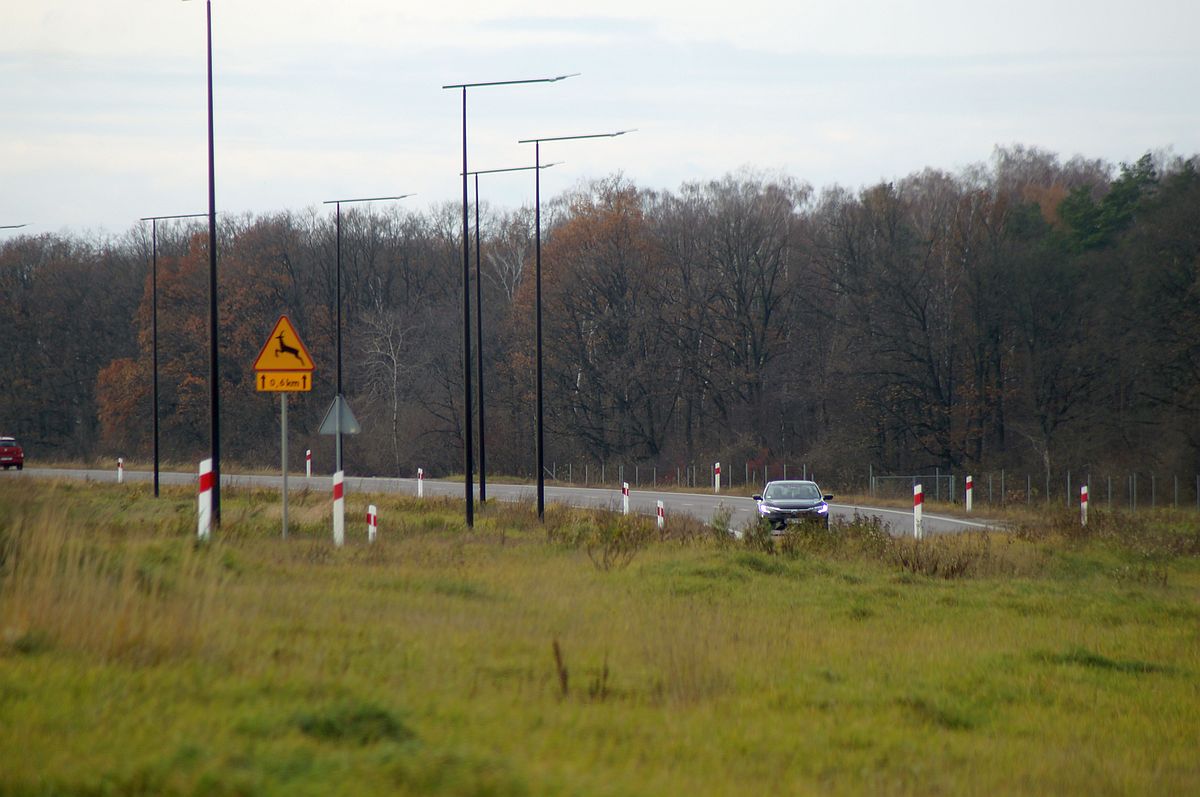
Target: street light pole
(154,319)
(338,399)
(214,383)
(479,323)
(468,457)
(537,215)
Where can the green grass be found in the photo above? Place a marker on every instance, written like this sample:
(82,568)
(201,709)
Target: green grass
(589,657)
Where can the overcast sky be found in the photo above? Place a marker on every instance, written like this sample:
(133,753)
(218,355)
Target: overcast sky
(103,103)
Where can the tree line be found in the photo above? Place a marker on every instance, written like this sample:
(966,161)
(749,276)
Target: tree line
(1030,312)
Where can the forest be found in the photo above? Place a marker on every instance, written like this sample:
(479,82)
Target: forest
(1032,313)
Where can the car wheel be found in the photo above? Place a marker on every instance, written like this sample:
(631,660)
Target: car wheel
(20,467)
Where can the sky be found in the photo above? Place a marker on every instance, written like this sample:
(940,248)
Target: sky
(103,104)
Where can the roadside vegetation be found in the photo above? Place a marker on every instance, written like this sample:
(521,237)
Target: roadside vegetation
(594,655)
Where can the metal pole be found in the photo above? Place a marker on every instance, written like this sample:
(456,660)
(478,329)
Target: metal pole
(283,458)
(468,455)
(537,216)
(338,398)
(214,370)
(479,349)
(154,338)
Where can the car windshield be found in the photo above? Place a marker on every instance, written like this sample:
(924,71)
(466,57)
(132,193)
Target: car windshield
(792,492)
(7,441)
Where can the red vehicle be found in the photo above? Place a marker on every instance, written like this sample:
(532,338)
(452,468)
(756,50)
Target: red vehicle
(11,454)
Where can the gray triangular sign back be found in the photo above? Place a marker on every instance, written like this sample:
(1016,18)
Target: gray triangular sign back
(349,422)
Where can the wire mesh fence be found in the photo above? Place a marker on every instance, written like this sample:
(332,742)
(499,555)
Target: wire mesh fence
(1130,490)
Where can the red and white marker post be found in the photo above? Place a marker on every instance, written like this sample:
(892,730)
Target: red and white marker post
(717,477)
(625,497)
(970,491)
(918,502)
(420,482)
(204,527)
(372,523)
(1083,502)
(339,509)
(662,516)
(120,470)
(308,463)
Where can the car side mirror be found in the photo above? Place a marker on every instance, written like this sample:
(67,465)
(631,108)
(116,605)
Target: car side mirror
(828,497)
(758,498)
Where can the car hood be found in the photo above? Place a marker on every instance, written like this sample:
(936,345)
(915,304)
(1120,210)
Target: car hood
(794,503)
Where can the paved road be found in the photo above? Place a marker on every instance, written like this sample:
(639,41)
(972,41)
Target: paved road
(701,505)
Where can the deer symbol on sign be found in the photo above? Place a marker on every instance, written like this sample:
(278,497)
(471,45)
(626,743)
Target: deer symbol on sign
(286,349)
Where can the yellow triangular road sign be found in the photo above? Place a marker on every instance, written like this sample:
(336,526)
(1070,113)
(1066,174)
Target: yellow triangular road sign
(283,351)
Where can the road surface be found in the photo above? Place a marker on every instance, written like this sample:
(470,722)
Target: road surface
(701,505)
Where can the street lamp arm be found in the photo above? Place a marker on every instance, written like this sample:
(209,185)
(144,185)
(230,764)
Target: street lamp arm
(518,168)
(573,138)
(554,79)
(180,216)
(366,199)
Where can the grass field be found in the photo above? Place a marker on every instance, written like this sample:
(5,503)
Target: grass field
(591,656)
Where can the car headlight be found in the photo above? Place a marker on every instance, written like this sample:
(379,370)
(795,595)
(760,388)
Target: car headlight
(766,509)
(823,508)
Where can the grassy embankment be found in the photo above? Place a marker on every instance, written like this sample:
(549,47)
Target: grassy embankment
(510,660)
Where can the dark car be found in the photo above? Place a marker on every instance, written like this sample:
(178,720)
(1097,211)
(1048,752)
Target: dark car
(787,502)
(11,455)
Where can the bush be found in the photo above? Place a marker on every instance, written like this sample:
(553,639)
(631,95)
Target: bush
(613,542)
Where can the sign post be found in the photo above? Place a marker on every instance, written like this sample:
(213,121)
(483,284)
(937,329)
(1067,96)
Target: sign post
(970,490)
(284,366)
(717,478)
(1083,502)
(625,497)
(283,454)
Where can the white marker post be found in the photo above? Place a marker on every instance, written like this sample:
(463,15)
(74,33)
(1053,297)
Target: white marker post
(204,528)
(625,497)
(717,477)
(918,501)
(1083,502)
(372,523)
(308,463)
(120,471)
(662,517)
(970,491)
(420,482)
(339,509)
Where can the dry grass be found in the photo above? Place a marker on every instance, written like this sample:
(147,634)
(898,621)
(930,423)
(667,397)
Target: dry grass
(505,661)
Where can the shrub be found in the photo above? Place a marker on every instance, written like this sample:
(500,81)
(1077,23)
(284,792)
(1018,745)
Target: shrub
(614,541)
